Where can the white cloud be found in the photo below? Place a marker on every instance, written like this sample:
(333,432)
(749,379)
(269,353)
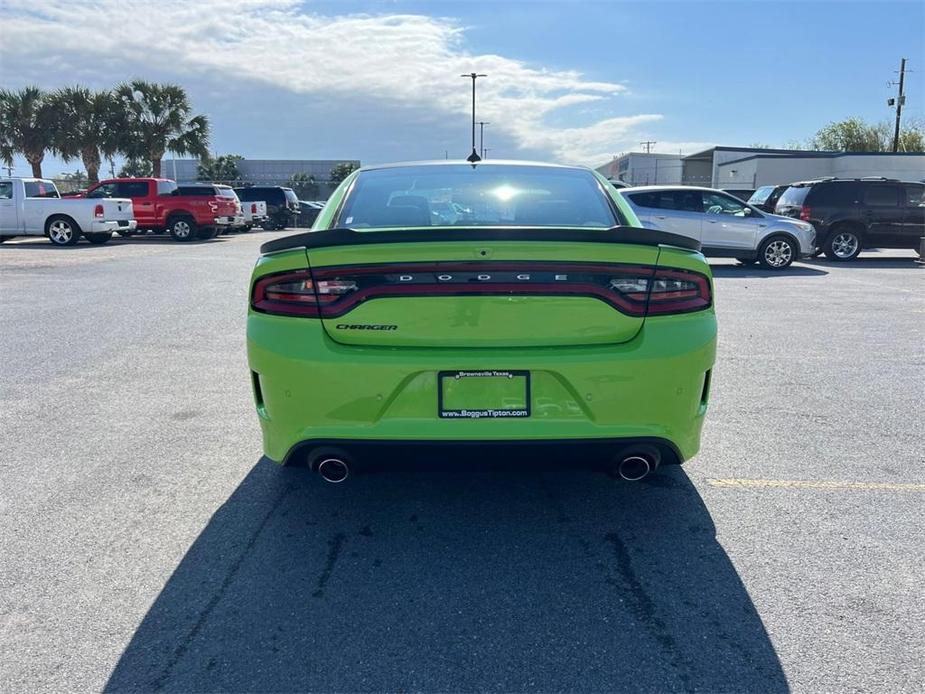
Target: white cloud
(411,60)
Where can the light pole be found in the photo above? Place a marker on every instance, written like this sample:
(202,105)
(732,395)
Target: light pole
(474,157)
(482,124)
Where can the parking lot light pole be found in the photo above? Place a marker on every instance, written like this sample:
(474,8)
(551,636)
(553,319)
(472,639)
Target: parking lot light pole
(482,124)
(474,157)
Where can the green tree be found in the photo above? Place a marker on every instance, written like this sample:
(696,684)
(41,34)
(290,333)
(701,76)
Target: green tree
(304,185)
(27,126)
(88,126)
(849,135)
(341,171)
(223,168)
(857,135)
(136,168)
(159,119)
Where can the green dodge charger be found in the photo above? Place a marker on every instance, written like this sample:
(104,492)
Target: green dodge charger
(493,304)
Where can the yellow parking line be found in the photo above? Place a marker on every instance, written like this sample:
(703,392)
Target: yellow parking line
(814,484)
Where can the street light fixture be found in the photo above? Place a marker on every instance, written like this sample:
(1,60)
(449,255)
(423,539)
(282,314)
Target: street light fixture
(474,157)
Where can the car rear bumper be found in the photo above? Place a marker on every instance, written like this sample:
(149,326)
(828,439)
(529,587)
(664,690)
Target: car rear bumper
(112,225)
(310,389)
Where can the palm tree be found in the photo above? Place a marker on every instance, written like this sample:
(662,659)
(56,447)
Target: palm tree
(158,120)
(91,123)
(27,126)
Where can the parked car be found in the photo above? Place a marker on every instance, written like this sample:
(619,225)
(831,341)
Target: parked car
(239,221)
(308,212)
(766,197)
(33,207)
(853,214)
(282,204)
(520,326)
(186,212)
(725,225)
(255,214)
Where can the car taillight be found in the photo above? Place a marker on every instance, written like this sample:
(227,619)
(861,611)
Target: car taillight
(98,211)
(295,294)
(806,213)
(253,208)
(678,291)
(635,291)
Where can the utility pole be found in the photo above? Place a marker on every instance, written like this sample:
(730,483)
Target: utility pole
(648,145)
(474,157)
(900,100)
(482,124)
(486,153)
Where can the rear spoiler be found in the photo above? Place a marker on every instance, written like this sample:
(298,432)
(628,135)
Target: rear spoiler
(349,237)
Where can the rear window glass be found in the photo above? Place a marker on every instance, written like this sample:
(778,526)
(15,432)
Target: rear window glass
(271,195)
(761,195)
(881,195)
(40,189)
(483,195)
(166,187)
(225,192)
(290,195)
(794,195)
(6,190)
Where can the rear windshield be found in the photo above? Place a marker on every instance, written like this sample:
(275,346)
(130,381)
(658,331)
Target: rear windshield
(225,192)
(761,195)
(290,195)
(271,195)
(794,195)
(483,195)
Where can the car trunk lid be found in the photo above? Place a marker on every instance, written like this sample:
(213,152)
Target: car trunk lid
(484,292)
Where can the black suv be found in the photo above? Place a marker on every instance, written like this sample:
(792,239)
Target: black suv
(851,214)
(282,204)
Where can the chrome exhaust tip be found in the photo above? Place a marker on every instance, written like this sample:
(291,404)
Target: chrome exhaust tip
(633,468)
(333,470)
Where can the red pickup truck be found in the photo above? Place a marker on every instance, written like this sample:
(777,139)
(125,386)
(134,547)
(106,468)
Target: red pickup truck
(185,211)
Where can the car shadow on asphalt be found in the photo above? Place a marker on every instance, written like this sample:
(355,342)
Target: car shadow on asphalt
(868,262)
(456,577)
(726,270)
(40,243)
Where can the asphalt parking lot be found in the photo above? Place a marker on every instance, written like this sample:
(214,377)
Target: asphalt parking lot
(146,545)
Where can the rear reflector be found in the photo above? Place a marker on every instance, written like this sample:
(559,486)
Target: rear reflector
(331,292)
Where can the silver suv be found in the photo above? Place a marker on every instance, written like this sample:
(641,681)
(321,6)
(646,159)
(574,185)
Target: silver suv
(724,225)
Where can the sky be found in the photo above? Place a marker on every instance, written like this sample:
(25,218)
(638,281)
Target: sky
(575,82)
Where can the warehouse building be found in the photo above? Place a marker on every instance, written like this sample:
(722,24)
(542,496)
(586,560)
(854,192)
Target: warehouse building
(644,169)
(744,169)
(750,167)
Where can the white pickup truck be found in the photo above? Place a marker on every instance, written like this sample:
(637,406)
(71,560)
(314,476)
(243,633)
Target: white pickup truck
(33,207)
(253,213)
